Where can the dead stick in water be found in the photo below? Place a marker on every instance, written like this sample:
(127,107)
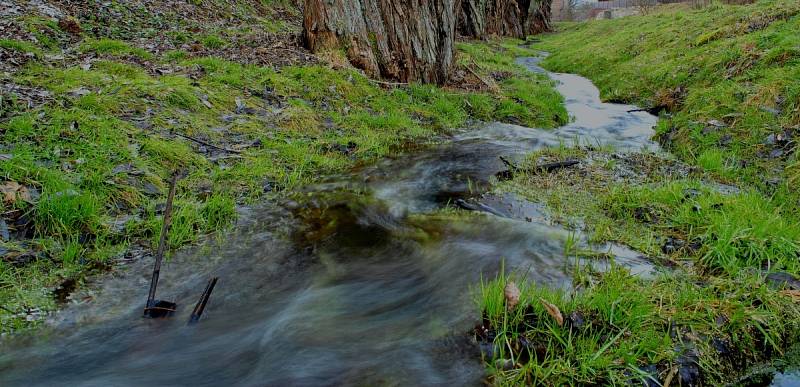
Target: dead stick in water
(549,167)
(508,164)
(202,302)
(161,245)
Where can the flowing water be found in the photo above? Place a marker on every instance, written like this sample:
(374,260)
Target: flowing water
(384,297)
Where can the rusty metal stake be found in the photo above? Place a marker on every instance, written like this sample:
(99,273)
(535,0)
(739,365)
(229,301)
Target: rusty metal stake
(202,302)
(157,308)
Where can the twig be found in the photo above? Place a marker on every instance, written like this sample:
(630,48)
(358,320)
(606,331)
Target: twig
(151,296)
(490,86)
(510,165)
(389,83)
(7,310)
(201,142)
(550,167)
(202,302)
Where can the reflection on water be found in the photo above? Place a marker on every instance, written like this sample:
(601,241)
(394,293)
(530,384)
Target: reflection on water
(382,301)
(786,379)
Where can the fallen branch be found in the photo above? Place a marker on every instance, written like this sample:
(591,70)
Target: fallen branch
(155,308)
(489,85)
(509,164)
(396,84)
(549,167)
(507,174)
(201,142)
(477,207)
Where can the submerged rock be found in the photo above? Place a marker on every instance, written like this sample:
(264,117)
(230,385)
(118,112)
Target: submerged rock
(783,280)
(689,368)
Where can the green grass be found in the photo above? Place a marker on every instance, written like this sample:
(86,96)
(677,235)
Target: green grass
(629,324)
(106,145)
(738,65)
(727,77)
(732,231)
(113,47)
(21,46)
(526,98)
(213,41)
(736,231)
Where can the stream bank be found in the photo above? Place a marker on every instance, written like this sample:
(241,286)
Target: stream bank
(372,280)
(100,103)
(370,277)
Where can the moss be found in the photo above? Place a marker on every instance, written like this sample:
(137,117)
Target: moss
(113,47)
(21,46)
(213,41)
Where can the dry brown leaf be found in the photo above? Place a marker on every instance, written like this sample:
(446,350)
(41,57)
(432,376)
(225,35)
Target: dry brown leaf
(553,311)
(9,190)
(25,194)
(794,294)
(512,295)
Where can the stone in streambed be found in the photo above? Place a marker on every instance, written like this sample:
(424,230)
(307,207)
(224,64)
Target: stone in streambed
(783,280)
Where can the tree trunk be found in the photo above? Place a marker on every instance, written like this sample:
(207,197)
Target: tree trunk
(401,40)
(413,40)
(517,18)
(537,18)
(484,18)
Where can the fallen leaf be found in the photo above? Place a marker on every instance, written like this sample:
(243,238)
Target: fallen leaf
(9,190)
(794,294)
(25,194)
(512,294)
(553,311)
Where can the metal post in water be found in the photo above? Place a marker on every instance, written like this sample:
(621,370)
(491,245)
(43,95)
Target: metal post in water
(151,297)
(202,302)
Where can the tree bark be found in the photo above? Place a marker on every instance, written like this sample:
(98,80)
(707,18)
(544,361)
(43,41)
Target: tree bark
(538,16)
(401,40)
(516,18)
(485,18)
(414,40)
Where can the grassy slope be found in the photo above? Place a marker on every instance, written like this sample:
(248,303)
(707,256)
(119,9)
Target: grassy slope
(103,146)
(738,65)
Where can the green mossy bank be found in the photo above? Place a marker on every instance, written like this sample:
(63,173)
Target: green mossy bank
(726,77)
(720,218)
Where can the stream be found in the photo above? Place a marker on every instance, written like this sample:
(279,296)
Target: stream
(384,298)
